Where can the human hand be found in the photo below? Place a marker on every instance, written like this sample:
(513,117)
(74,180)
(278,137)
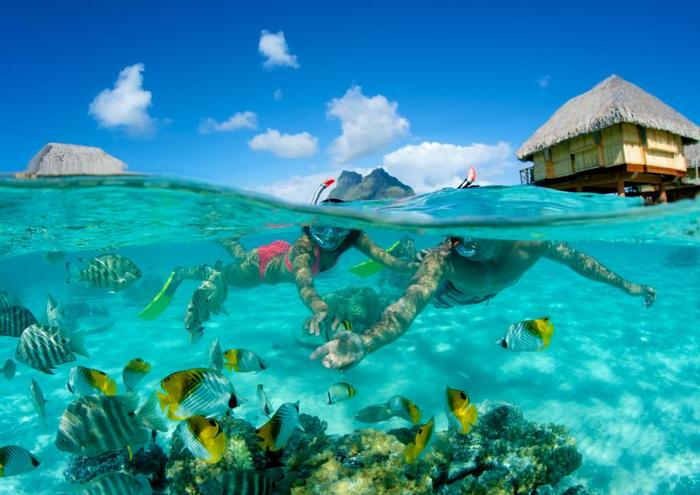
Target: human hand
(343,352)
(315,323)
(649,294)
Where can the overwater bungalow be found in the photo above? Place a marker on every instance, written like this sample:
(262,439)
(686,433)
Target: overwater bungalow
(614,138)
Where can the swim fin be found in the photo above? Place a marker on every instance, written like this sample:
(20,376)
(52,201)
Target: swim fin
(370,267)
(162,299)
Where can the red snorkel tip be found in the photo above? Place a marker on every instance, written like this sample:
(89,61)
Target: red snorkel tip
(328,182)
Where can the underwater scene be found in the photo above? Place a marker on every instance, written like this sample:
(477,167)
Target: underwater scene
(165,336)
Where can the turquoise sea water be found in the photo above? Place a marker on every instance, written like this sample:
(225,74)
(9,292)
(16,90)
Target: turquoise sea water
(625,379)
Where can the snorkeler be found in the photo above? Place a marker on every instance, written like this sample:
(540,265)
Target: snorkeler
(317,250)
(459,272)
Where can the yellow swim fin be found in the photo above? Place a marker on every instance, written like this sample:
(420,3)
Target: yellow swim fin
(370,267)
(161,301)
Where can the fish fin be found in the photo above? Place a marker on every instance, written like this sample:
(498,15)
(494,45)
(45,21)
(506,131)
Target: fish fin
(501,343)
(374,414)
(77,344)
(224,310)
(409,453)
(161,300)
(131,453)
(196,335)
(151,416)
(73,272)
(267,442)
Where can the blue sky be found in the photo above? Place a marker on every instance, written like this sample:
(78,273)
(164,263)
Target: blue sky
(405,84)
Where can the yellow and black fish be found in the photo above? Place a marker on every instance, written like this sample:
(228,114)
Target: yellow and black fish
(133,372)
(339,392)
(528,335)
(460,411)
(243,361)
(197,392)
(88,381)
(108,271)
(276,432)
(204,438)
(16,460)
(415,449)
(398,405)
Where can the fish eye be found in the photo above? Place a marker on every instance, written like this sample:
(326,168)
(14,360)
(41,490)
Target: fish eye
(232,402)
(420,430)
(132,414)
(213,422)
(63,340)
(463,396)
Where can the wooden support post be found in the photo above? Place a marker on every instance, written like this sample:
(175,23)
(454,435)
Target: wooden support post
(662,193)
(620,186)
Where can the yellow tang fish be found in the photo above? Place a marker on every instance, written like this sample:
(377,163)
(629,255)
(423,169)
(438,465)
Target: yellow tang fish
(414,450)
(460,411)
(88,381)
(197,392)
(276,432)
(204,438)
(528,335)
(243,361)
(133,372)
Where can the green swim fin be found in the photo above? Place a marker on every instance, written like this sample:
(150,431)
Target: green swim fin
(161,301)
(370,267)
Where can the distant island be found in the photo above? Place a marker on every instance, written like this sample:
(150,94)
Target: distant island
(59,159)
(351,186)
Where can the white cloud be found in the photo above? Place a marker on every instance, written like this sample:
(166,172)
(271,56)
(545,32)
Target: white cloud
(126,105)
(367,124)
(543,82)
(298,145)
(431,165)
(274,47)
(239,120)
(277,95)
(300,188)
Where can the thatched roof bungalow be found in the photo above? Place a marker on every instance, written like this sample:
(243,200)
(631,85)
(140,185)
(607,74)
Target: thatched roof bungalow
(614,135)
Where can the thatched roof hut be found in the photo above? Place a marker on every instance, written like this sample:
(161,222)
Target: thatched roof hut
(614,138)
(56,159)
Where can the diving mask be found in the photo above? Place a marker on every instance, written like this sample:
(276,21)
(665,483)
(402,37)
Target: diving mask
(466,248)
(328,238)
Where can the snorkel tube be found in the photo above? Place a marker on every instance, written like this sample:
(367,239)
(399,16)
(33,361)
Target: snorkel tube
(469,179)
(322,187)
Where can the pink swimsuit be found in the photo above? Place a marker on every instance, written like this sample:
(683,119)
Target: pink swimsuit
(275,248)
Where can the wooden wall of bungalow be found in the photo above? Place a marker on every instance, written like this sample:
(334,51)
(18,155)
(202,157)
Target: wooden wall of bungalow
(641,149)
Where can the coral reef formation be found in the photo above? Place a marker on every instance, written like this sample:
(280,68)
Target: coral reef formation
(503,454)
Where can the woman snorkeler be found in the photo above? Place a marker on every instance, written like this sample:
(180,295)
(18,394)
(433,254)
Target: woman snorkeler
(317,250)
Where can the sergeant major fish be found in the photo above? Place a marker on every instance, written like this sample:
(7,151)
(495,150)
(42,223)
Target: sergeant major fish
(43,348)
(204,438)
(133,372)
(89,381)
(107,271)
(415,449)
(94,424)
(276,432)
(460,411)
(116,483)
(239,482)
(396,406)
(16,460)
(243,361)
(197,392)
(14,320)
(6,301)
(528,335)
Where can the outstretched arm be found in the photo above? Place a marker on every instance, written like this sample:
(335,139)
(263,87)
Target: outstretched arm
(365,245)
(347,349)
(302,262)
(592,269)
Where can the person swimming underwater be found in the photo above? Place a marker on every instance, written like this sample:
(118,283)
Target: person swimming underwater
(317,250)
(461,271)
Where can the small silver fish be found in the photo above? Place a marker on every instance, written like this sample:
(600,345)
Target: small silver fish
(339,392)
(38,400)
(263,400)
(108,271)
(16,460)
(43,348)
(14,320)
(54,313)
(216,357)
(8,369)
(116,484)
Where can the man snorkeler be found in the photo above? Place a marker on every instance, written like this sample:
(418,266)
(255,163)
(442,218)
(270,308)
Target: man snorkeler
(317,250)
(460,272)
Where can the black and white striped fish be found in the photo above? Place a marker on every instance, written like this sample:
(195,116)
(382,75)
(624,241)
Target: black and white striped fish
(239,482)
(6,301)
(116,484)
(276,432)
(16,460)
(8,369)
(43,348)
(94,424)
(108,271)
(14,320)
